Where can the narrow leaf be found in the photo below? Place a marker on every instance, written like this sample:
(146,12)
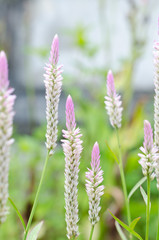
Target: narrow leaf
(33,235)
(138,184)
(113,154)
(144,195)
(126,227)
(18,213)
(120,231)
(134,222)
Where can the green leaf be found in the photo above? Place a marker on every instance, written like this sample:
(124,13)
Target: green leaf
(120,231)
(113,154)
(144,195)
(33,235)
(18,213)
(138,184)
(126,227)
(134,222)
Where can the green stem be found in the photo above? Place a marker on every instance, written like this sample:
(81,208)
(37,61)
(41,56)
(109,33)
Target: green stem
(91,234)
(36,197)
(123,181)
(148,208)
(157,237)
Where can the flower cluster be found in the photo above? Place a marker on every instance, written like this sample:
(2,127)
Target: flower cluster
(156,105)
(113,102)
(53,83)
(156,99)
(6,128)
(72,147)
(149,153)
(94,189)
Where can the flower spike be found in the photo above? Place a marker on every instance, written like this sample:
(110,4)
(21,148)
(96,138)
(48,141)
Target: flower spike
(113,102)
(156,102)
(53,84)
(94,177)
(72,147)
(6,129)
(149,153)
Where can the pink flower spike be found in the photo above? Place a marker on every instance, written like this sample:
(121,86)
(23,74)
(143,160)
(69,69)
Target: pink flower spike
(53,85)
(54,53)
(70,114)
(6,129)
(110,84)
(3,70)
(72,147)
(148,136)
(95,157)
(94,177)
(113,103)
(149,153)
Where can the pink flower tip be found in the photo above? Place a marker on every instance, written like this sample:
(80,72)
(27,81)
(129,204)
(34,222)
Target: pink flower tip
(70,114)
(4,82)
(54,54)
(95,162)
(148,136)
(110,84)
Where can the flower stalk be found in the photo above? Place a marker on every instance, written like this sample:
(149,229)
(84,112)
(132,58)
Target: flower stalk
(114,109)
(36,197)
(147,161)
(53,83)
(148,208)
(123,180)
(91,234)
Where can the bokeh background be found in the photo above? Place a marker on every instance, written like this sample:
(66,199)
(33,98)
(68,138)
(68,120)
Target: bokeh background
(95,36)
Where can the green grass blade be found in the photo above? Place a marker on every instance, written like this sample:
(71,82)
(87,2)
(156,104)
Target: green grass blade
(144,195)
(18,213)
(138,184)
(126,227)
(134,222)
(120,231)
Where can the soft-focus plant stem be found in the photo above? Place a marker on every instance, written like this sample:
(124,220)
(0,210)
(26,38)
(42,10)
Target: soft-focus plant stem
(91,234)
(36,197)
(123,181)
(148,208)
(157,236)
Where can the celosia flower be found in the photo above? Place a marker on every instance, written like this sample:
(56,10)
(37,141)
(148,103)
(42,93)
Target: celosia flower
(53,83)
(149,153)
(113,102)
(72,147)
(6,128)
(156,102)
(94,189)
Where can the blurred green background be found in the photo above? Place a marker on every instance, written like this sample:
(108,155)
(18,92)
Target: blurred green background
(85,80)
